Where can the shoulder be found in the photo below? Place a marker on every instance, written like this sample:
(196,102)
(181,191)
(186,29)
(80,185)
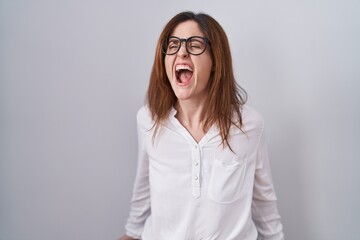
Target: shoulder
(143,113)
(250,113)
(251,117)
(144,118)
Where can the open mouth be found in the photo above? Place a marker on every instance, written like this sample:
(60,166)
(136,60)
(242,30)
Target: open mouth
(183,73)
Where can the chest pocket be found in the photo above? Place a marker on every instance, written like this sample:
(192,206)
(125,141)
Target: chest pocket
(226,179)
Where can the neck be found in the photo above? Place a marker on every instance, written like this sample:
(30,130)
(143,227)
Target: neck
(190,113)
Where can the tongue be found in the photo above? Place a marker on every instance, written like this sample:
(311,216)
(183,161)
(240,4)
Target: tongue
(185,76)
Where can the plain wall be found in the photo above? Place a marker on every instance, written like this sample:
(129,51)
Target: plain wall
(73,74)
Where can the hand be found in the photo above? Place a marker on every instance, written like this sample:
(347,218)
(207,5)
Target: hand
(127,238)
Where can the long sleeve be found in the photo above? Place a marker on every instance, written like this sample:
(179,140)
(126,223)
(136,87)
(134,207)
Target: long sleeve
(264,207)
(140,202)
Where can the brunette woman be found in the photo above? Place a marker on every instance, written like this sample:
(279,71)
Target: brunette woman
(203,168)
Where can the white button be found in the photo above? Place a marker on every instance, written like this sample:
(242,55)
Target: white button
(196,178)
(196,163)
(196,146)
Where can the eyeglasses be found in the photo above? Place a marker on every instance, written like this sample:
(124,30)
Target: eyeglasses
(194,45)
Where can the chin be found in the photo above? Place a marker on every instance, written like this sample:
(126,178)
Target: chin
(183,96)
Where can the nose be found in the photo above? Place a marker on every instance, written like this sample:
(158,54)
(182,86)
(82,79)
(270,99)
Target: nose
(182,51)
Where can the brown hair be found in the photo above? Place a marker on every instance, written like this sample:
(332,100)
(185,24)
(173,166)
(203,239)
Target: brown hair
(225,96)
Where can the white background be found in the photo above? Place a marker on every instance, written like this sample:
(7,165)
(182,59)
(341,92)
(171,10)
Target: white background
(73,74)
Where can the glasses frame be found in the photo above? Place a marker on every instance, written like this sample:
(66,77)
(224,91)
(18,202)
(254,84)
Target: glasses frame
(184,40)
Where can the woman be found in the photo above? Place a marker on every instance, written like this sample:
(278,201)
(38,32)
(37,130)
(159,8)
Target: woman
(203,169)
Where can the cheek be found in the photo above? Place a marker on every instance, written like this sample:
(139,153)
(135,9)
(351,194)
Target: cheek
(204,70)
(168,67)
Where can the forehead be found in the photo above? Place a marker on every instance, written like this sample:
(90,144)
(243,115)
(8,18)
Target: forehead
(187,29)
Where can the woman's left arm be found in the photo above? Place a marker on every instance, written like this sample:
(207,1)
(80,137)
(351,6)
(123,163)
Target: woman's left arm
(264,206)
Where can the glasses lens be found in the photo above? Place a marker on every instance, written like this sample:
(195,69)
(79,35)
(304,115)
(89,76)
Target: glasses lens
(173,45)
(196,45)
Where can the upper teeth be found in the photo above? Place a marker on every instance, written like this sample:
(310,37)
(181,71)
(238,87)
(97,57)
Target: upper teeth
(183,67)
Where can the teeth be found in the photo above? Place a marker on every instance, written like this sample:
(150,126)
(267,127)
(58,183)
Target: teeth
(183,67)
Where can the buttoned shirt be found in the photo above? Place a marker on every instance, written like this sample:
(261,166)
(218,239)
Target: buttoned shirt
(189,190)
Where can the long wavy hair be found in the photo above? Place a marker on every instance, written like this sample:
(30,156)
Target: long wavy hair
(225,96)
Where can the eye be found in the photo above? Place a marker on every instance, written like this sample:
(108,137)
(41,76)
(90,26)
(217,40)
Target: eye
(196,43)
(173,44)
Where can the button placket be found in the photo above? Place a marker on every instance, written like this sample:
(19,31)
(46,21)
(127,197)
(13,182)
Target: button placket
(196,171)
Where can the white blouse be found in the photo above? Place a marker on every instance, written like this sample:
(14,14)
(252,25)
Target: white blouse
(188,190)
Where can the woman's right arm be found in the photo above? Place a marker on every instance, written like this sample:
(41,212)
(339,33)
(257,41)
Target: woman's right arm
(140,202)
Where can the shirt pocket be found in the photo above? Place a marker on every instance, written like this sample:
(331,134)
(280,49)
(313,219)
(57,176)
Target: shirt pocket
(227,179)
